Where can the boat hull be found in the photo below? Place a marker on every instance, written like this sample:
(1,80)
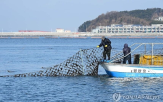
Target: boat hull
(127,70)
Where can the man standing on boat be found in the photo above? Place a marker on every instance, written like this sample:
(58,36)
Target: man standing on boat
(126,51)
(106,43)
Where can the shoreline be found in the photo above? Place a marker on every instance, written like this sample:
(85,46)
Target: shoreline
(82,35)
(118,37)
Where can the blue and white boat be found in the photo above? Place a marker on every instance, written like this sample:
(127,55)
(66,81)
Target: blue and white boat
(147,63)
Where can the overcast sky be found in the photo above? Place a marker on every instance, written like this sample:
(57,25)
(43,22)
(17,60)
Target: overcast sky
(67,14)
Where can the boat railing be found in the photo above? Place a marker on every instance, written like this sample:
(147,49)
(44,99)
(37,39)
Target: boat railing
(119,56)
(126,55)
(120,52)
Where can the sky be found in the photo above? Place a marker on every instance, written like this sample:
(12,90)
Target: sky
(47,15)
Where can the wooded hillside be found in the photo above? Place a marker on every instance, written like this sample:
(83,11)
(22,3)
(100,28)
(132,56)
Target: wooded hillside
(143,17)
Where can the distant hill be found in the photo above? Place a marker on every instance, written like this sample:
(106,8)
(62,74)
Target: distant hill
(143,17)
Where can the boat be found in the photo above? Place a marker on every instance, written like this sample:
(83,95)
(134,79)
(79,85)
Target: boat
(145,63)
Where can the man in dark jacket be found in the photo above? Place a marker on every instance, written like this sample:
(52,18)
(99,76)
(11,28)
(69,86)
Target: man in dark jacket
(106,43)
(126,51)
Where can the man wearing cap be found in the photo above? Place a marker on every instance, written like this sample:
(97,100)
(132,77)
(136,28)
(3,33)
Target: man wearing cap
(106,43)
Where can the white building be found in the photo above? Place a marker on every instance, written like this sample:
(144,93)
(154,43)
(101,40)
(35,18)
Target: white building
(67,31)
(118,28)
(159,19)
(59,30)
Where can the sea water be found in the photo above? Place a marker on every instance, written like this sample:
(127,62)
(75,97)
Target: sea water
(30,55)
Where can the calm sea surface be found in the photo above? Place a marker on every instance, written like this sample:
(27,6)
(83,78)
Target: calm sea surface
(30,55)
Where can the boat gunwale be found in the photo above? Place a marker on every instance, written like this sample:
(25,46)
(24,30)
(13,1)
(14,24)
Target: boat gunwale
(131,64)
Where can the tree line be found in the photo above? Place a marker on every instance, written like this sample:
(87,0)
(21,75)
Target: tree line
(143,17)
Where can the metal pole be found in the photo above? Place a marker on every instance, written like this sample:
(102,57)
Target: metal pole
(82,60)
(145,48)
(152,54)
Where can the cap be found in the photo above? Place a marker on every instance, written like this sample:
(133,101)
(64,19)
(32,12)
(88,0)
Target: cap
(103,37)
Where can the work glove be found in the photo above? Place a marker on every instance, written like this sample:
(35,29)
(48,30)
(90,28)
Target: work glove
(106,45)
(98,46)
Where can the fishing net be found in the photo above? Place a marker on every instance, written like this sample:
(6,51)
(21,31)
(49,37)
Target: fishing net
(84,62)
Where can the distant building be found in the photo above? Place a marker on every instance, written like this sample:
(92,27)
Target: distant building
(159,19)
(31,31)
(117,28)
(67,31)
(59,30)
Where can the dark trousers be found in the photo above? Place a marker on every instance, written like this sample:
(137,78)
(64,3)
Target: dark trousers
(127,58)
(107,52)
